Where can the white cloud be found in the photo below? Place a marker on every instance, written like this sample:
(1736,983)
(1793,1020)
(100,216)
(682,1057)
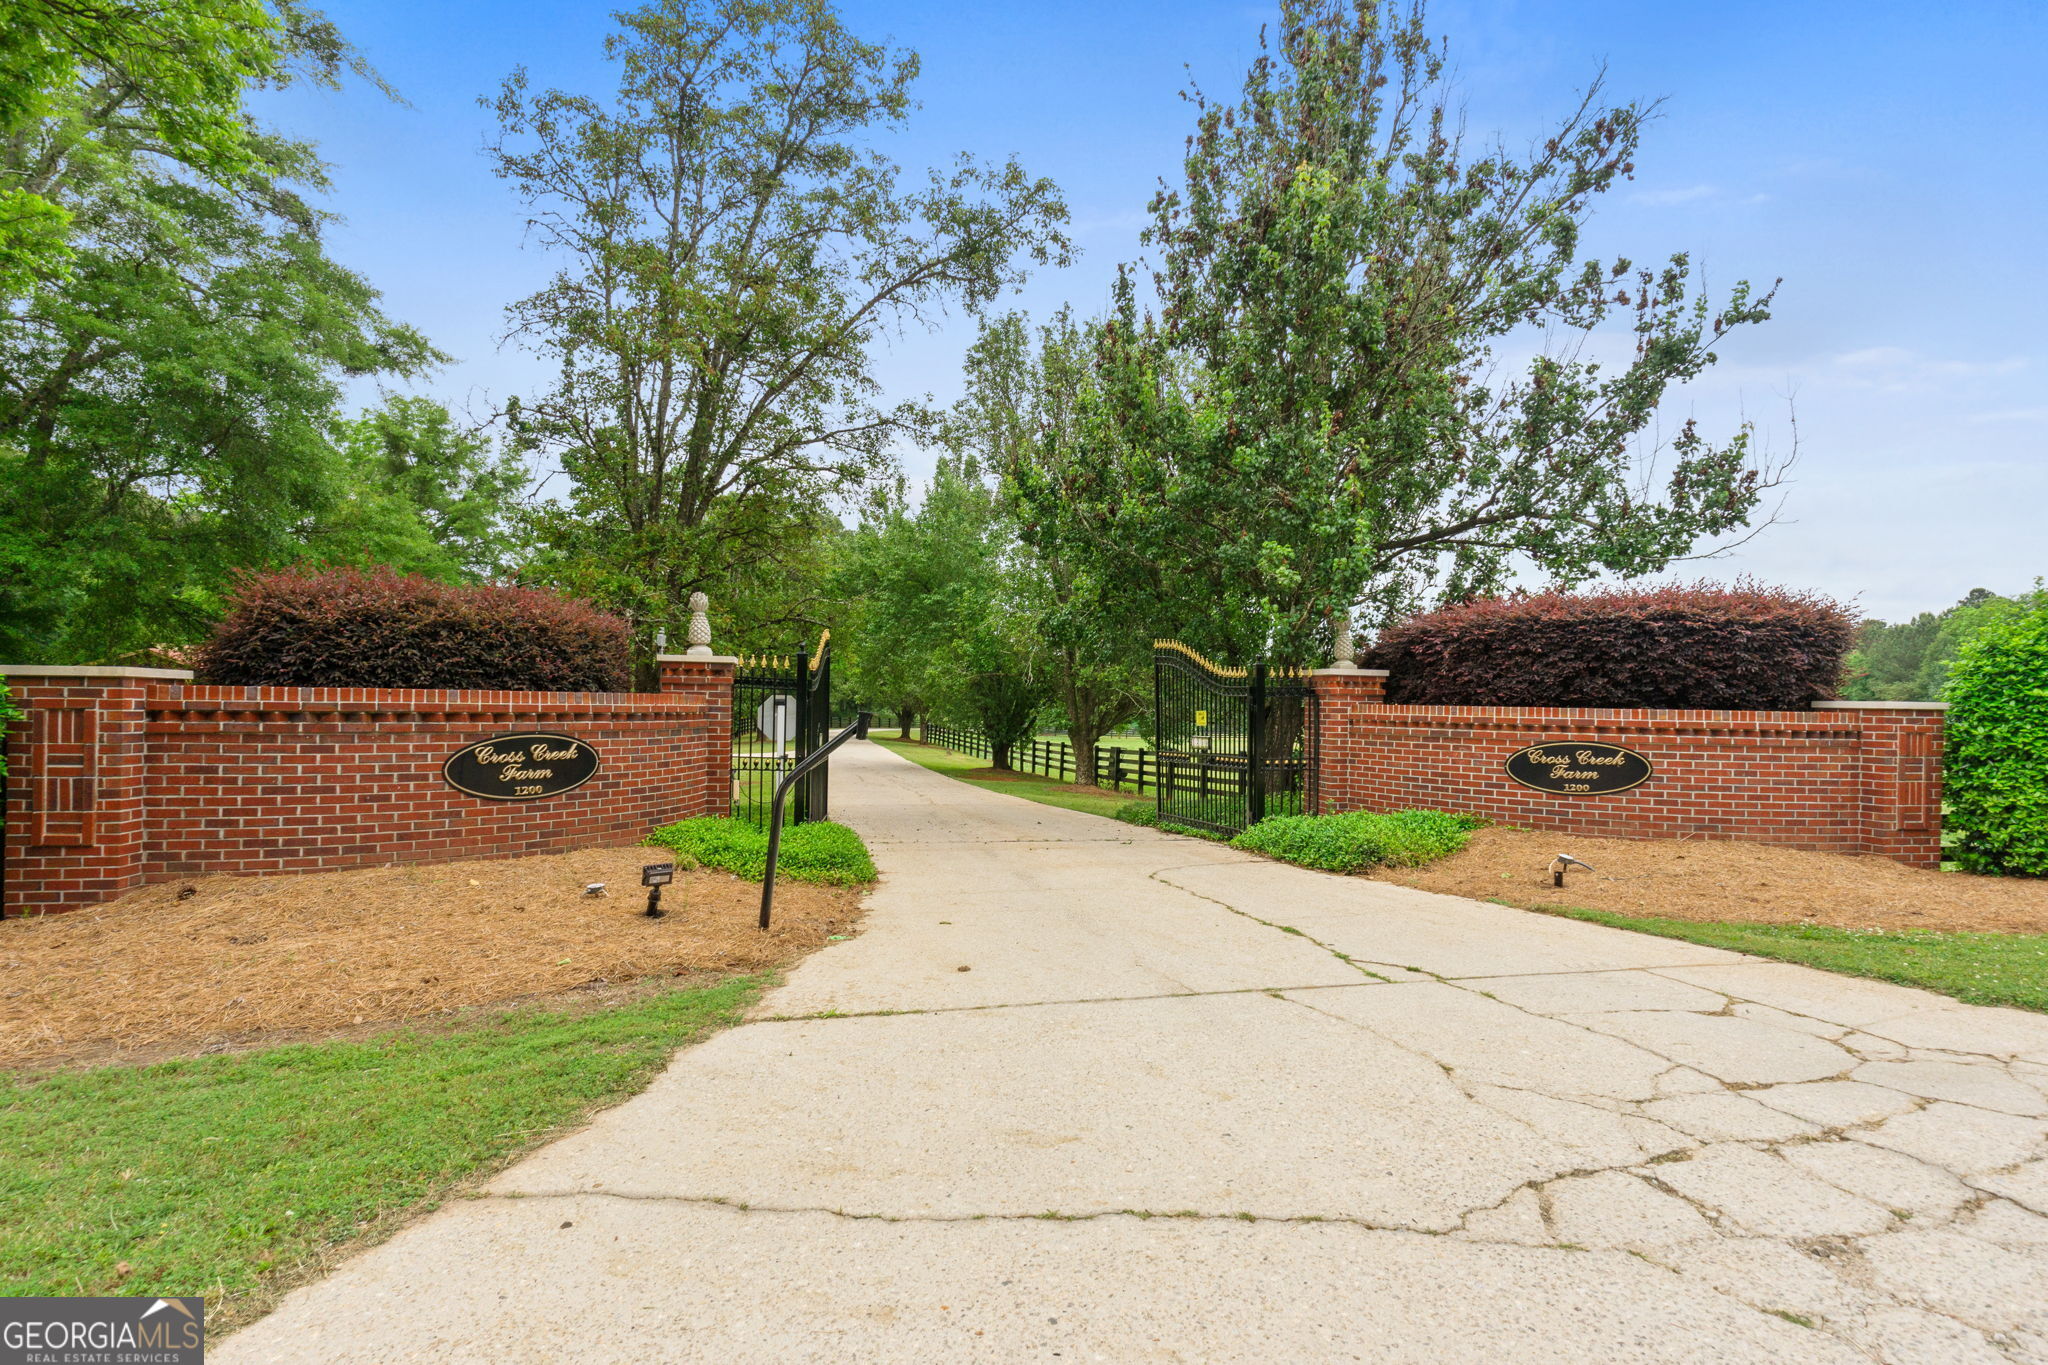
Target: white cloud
(1694,194)
(1686,195)
(1897,369)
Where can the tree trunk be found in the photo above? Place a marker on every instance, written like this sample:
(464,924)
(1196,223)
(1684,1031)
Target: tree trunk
(903,719)
(1001,758)
(1084,741)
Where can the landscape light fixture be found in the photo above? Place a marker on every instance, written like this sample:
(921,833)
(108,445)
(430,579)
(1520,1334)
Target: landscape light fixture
(1560,863)
(655,876)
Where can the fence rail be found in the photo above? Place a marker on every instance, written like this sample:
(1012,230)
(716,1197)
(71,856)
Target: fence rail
(1117,767)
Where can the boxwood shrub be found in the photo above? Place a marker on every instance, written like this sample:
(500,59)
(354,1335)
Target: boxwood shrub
(1361,839)
(1138,813)
(1996,753)
(1699,646)
(823,852)
(377,628)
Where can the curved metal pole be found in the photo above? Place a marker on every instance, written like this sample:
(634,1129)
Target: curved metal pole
(857,730)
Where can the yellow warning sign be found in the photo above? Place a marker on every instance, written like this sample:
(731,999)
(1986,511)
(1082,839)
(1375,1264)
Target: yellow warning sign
(1201,717)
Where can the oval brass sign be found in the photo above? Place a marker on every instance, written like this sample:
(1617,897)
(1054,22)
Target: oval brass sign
(1577,767)
(521,767)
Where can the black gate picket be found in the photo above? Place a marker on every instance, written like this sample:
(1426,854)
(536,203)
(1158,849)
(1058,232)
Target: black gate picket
(781,711)
(1234,745)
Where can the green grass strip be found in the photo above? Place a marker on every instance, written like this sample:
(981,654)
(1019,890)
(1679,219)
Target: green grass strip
(1983,969)
(231,1175)
(1030,786)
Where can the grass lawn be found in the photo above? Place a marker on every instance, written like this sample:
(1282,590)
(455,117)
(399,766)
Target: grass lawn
(1108,741)
(1030,786)
(239,1175)
(1983,969)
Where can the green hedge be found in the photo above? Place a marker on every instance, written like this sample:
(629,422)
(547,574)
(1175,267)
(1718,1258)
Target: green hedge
(1362,839)
(1997,747)
(821,852)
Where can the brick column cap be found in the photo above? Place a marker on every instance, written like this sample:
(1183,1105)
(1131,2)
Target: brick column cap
(1880,706)
(1347,673)
(732,659)
(91,671)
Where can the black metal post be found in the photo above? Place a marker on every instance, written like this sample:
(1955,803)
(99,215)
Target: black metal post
(1255,747)
(857,730)
(1158,748)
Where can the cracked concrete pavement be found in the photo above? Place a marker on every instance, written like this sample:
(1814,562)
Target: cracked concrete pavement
(1189,1105)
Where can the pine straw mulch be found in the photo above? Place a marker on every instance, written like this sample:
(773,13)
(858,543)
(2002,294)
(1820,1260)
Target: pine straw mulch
(268,959)
(1702,880)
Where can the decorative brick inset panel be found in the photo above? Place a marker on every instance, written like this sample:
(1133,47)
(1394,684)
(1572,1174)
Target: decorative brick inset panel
(75,800)
(1838,779)
(63,774)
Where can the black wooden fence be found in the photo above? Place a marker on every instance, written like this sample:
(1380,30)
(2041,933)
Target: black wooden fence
(1125,769)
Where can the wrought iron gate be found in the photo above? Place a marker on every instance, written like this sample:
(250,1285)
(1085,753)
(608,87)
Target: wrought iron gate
(1234,745)
(781,710)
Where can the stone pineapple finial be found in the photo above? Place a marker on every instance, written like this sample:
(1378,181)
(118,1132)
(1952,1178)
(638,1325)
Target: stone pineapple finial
(1345,654)
(700,626)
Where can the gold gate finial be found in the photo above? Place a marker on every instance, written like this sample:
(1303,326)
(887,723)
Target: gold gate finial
(1218,669)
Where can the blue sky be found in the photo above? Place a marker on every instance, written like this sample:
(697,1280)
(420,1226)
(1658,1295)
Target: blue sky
(1887,159)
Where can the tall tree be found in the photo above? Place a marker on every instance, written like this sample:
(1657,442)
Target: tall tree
(1022,398)
(985,660)
(82,79)
(1320,414)
(943,600)
(168,405)
(732,245)
(1911,660)
(885,585)
(423,494)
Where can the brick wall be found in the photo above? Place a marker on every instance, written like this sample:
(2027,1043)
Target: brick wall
(1845,777)
(119,777)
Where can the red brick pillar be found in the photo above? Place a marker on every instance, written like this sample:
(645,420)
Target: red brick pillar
(75,785)
(1900,748)
(705,680)
(1342,696)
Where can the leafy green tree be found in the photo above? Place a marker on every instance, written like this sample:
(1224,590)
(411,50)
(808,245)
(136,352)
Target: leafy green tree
(942,605)
(991,675)
(985,665)
(83,81)
(423,495)
(1886,662)
(732,246)
(888,581)
(1020,398)
(1910,661)
(784,599)
(1996,757)
(1980,612)
(1321,413)
(168,408)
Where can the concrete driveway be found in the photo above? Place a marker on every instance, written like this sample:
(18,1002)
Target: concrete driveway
(1090,1093)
